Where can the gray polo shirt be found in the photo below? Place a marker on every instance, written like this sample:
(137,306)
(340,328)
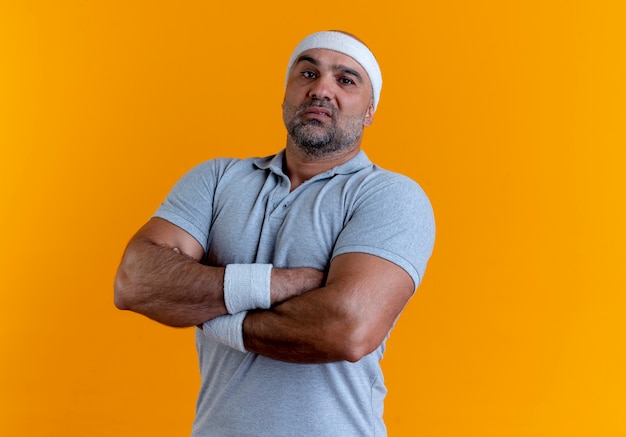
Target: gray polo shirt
(242,211)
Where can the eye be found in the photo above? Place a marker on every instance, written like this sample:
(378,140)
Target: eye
(308,74)
(346,81)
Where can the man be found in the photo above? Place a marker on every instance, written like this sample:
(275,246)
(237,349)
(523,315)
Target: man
(294,267)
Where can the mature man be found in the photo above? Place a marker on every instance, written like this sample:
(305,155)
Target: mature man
(293,267)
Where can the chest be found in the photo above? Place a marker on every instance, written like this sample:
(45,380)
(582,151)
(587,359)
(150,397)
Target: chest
(258,220)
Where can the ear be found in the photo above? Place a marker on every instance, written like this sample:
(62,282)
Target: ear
(369,115)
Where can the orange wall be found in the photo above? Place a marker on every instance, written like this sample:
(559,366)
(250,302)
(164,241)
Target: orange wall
(510,114)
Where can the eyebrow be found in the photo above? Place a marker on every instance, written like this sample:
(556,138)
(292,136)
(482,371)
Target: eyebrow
(342,68)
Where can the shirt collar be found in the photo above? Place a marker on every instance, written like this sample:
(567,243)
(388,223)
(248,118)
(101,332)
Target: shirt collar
(275,164)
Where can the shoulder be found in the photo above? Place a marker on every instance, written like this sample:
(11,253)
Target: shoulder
(214,170)
(392,218)
(215,166)
(390,188)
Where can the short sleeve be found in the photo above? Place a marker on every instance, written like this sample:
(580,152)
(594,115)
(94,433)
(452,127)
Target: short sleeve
(392,218)
(189,205)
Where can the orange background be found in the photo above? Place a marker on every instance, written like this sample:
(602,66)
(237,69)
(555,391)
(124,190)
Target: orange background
(510,114)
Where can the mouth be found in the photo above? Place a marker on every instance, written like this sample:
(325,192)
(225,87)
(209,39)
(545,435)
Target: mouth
(320,111)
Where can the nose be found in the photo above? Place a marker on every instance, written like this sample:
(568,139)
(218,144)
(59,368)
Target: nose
(322,89)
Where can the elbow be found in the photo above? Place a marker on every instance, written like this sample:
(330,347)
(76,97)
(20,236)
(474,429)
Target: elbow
(357,342)
(353,355)
(355,352)
(122,295)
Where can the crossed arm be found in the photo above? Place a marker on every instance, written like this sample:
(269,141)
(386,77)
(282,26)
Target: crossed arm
(174,288)
(345,318)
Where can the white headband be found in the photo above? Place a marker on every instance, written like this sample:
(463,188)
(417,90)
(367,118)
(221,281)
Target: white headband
(342,43)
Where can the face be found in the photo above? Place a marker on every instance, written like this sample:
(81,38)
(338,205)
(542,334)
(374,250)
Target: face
(328,101)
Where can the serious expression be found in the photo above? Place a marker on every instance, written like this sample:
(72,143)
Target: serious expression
(328,102)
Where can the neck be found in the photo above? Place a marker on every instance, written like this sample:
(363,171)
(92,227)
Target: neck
(301,167)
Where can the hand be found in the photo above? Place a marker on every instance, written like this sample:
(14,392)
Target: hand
(288,283)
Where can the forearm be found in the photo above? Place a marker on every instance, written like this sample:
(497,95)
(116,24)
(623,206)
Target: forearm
(178,291)
(346,319)
(313,328)
(168,286)
(160,276)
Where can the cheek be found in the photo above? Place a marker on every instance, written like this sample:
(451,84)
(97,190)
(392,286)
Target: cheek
(356,105)
(293,92)
(289,112)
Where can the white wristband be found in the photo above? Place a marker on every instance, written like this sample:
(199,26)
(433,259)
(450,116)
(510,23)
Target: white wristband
(247,287)
(226,330)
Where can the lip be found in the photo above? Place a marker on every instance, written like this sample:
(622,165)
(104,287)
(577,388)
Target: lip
(319,111)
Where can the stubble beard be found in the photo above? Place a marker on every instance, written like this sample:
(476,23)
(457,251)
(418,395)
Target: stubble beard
(316,138)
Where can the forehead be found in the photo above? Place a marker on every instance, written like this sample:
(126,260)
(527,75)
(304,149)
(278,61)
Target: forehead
(331,59)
